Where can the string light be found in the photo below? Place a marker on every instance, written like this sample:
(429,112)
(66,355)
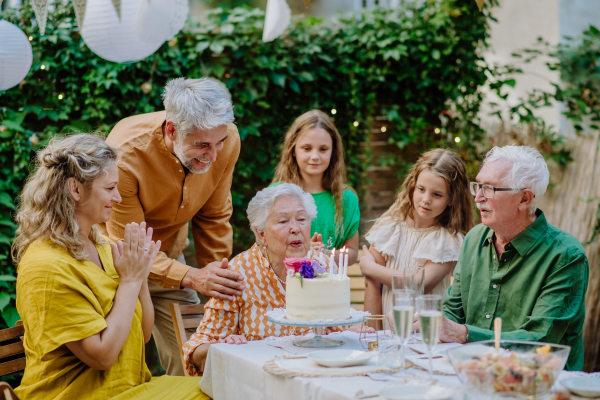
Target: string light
(333,111)
(43,66)
(437,130)
(355,123)
(383,129)
(60,96)
(457,139)
(30,38)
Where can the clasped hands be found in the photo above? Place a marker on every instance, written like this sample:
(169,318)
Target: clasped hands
(133,256)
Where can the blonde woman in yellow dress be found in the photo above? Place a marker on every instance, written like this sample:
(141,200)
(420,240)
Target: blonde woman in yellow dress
(84,302)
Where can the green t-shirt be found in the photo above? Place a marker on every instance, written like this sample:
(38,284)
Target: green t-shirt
(537,286)
(325,221)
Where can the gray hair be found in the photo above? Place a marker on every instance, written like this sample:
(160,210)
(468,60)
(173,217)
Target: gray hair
(529,170)
(260,205)
(197,103)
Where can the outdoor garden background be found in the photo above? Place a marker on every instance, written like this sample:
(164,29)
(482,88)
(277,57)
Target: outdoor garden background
(396,81)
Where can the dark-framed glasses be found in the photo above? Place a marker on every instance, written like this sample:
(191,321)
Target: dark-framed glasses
(488,191)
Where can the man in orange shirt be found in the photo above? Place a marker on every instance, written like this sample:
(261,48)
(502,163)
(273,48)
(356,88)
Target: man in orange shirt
(176,166)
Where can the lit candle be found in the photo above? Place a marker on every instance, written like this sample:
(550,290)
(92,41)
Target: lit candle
(346,263)
(331,262)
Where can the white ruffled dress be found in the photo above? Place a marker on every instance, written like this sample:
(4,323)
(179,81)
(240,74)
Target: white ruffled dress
(404,247)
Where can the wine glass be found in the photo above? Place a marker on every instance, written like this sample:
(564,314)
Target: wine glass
(418,286)
(403,312)
(429,307)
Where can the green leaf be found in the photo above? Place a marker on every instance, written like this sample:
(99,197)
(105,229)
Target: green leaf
(279,80)
(7,278)
(201,46)
(7,201)
(10,316)
(510,82)
(435,54)
(4,300)
(227,28)
(217,47)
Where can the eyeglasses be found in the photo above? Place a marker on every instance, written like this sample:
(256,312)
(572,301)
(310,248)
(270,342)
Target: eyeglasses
(488,191)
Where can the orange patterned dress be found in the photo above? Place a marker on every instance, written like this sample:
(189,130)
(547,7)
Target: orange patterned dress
(245,315)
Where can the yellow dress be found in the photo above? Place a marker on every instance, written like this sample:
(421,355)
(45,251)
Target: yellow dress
(62,300)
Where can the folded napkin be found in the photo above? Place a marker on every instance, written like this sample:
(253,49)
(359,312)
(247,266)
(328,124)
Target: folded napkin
(290,367)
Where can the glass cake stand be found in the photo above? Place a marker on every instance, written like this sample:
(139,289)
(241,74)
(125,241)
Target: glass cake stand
(278,316)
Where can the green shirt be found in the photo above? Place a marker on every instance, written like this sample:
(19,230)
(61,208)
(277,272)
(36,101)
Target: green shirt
(537,287)
(325,221)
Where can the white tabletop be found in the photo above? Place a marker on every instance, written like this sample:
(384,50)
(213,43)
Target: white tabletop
(234,372)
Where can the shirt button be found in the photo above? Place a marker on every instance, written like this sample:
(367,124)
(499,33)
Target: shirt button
(185,187)
(177,161)
(487,316)
(494,257)
(172,287)
(494,286)
(181,206)
(180,171)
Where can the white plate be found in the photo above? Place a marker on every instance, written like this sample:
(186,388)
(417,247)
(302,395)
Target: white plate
(417,393)
(340,358)
(586,387)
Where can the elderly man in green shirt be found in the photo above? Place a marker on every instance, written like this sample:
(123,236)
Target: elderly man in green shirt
(515,265)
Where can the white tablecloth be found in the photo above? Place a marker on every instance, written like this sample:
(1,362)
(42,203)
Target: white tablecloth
(235,372)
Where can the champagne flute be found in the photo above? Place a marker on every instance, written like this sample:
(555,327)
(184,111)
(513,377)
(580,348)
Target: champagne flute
(403,312)
(402,280)
(418,286)
(430,321)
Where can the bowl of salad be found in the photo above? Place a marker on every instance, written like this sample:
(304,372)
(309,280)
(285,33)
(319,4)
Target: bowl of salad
(518,366)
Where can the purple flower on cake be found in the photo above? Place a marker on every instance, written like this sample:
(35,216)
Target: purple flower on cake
(317,267)
(306,269)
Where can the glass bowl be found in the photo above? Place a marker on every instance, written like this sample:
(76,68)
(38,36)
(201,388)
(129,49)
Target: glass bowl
(520,366)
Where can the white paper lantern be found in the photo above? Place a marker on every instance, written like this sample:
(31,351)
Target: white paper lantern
(277,19)
(15,55)
(113,39)
(161,19)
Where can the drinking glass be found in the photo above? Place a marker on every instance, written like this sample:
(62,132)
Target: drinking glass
(403,312)
(402,280)
(388,346)
(418,286)
(429,307)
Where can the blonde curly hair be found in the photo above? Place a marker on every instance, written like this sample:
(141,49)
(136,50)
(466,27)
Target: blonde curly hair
(47,209)
(457,218)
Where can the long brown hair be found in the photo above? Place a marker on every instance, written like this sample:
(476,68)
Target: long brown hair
(47,209)
(457,218)
(334,177)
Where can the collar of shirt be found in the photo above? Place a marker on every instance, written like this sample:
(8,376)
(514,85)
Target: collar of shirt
(526,239)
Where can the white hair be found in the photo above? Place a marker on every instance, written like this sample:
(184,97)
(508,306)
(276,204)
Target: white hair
(197,103)
(260,205)
(529,170)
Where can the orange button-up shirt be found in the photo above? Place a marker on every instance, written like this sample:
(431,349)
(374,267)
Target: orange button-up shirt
(155,188)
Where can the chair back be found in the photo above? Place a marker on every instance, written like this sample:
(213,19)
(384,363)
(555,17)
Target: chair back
(12,352)
(7,392)
(185,320)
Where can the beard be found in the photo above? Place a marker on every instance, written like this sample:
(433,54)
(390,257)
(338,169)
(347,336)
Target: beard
(186,161)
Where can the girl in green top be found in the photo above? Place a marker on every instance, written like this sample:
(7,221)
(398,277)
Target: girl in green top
(312,156)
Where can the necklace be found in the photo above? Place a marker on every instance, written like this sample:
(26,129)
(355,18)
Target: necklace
(266,255)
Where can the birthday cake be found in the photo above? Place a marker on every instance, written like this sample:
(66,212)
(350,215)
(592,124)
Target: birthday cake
(313,293)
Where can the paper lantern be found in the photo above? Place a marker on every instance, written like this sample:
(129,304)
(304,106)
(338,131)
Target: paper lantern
(116,39)
(161,19)
(15,55)
(277,19)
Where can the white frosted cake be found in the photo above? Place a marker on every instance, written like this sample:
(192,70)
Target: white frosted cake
(317,298)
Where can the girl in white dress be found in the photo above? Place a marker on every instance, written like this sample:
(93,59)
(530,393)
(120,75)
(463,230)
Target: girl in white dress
(424,228)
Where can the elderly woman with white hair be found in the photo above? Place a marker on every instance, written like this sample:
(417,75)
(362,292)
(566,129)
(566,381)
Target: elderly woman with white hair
(515,265)
(280,217)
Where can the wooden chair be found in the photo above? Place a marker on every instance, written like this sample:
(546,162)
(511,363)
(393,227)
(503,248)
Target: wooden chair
(13,355)
(185,320)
